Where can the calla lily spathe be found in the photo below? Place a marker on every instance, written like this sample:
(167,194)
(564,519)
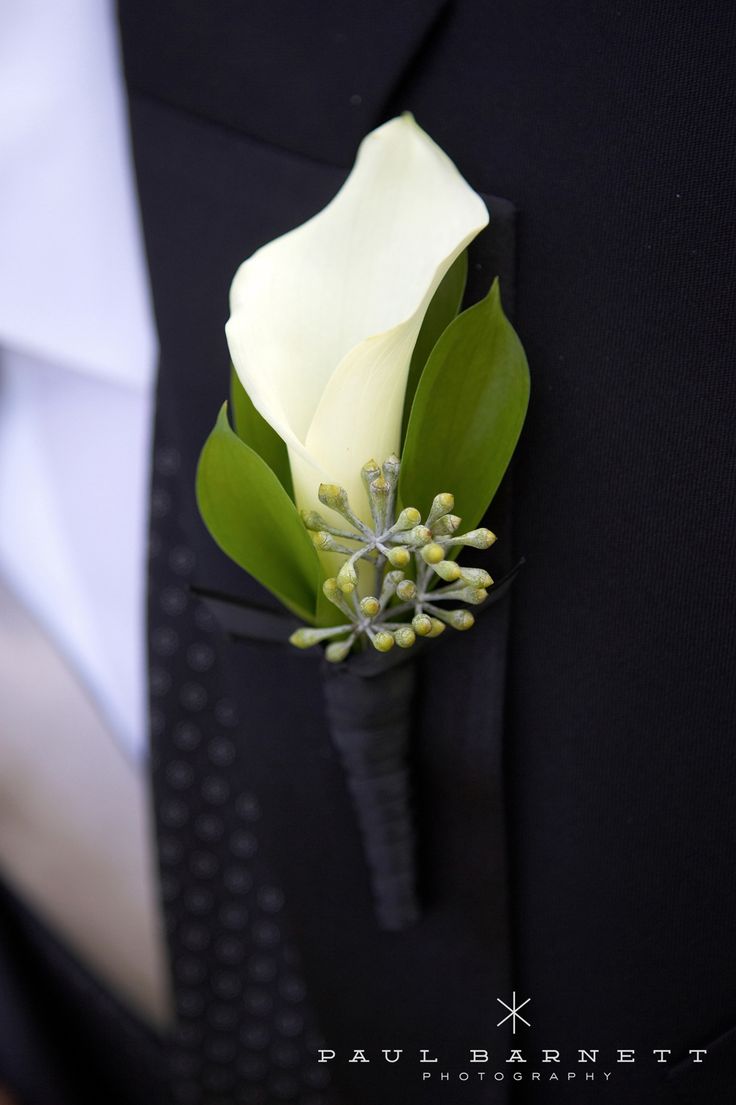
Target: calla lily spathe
(324,319)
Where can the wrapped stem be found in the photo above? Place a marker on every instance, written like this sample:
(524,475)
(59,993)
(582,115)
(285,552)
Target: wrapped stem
(369,718)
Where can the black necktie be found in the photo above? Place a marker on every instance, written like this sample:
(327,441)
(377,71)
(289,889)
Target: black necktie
(245,1031)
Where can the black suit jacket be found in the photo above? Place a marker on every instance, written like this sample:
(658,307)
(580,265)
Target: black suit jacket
(576,815)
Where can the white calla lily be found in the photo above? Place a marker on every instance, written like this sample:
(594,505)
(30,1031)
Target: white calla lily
(324,319)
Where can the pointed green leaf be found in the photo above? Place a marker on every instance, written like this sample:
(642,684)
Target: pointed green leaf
(468,412)
(252,428)
(254,521)
(443,308)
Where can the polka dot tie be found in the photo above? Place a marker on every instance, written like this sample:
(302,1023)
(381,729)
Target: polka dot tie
(245,1034)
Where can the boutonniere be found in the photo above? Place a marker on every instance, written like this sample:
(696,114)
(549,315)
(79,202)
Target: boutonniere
(369,427)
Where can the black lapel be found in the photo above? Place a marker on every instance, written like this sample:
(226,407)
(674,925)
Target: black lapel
(313,78)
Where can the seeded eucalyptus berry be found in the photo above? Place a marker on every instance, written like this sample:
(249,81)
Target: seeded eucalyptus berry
(388,585)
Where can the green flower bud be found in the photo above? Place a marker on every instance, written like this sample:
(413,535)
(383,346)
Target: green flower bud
(370,606)
(432,553)
(478,538)
(442,504)
(336,498)
(474,595)
(446,525)
(347,578)
(437,628)
(313,520)
(325,542)
(332,592)
(407,590)
(379,490)
(422,624)
(420,535)
(369,472)
(391,468)
(408,519)
(321,540)
(383,641)
(475,577)
(399,556)
(338,650)
(405,636)
(330,588)
(306,637)
(448,570)
(379,493)
(460,619)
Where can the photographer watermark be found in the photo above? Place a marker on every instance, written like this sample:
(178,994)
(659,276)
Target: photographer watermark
(589,1064)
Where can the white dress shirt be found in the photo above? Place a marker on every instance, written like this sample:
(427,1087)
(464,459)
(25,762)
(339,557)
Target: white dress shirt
(77,365)
(78,349)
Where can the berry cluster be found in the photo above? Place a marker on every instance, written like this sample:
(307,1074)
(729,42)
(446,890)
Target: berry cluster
(407,562)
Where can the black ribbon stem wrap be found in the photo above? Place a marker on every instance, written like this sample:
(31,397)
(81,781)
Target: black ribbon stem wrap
(369,709)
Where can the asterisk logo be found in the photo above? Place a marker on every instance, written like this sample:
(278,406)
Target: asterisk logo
(513,1012)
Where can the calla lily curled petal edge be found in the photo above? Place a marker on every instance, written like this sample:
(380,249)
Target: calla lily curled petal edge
(324,319)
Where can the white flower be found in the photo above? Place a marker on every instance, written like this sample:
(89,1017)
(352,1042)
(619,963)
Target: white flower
(324,319)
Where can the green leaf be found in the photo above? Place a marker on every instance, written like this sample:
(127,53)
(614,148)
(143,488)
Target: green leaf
(467,414)
(254,521)
(443,308)
(252,428)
